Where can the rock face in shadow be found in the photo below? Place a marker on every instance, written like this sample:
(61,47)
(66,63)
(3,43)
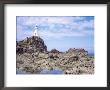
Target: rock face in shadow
(54,51)
(31,45)
(33,58)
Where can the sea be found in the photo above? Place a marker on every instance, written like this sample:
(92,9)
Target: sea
(45,71)
(91,54)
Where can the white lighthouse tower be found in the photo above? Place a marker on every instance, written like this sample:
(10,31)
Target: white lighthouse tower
(36,31)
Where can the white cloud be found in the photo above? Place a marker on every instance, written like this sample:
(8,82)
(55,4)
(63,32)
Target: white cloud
(60,34)
(48,20)
(82,25)
(69,26)
(86,24)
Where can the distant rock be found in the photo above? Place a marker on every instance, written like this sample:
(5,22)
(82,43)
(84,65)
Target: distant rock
(79,52)
(54,51)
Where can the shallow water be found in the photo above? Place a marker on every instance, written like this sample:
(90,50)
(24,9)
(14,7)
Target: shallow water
(45,71)
(54,71)
(20,72)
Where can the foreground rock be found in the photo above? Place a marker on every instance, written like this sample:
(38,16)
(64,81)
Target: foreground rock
(33,58)
(69,64)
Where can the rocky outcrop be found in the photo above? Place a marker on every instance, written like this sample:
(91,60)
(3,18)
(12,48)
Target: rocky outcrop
(79,52)
(33,57)
(54,51)
(31,45)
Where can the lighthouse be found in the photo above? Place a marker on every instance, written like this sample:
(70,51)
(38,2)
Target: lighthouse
(36,31)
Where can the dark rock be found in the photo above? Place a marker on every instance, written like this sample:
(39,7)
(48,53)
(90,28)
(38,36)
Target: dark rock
(19,50)
(53,55)
(74,58)
(20,62)
(54,51)
(31,45)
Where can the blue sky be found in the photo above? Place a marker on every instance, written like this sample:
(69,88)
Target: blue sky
(60,32)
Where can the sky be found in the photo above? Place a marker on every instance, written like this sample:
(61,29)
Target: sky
(59,32)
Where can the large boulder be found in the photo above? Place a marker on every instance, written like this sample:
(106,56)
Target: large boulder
(54,51)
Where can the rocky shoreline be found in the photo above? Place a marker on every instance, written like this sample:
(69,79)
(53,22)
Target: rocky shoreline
(32,57)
